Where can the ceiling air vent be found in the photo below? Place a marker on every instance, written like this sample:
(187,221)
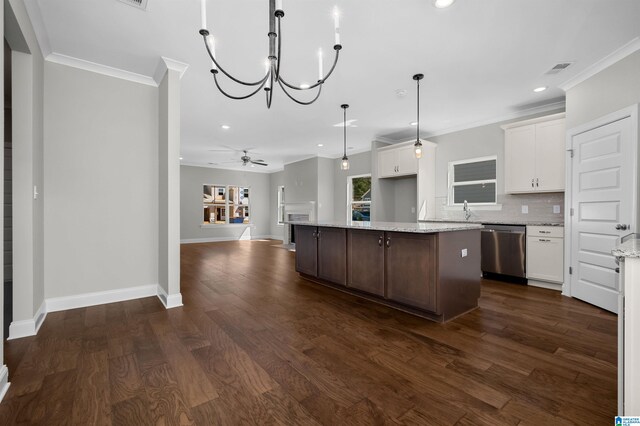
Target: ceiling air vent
(139,4)
(559,67)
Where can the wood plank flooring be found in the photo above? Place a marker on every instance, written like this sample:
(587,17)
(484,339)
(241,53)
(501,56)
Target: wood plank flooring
(255,344)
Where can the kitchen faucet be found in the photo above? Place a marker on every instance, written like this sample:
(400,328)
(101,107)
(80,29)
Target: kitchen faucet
(467,211)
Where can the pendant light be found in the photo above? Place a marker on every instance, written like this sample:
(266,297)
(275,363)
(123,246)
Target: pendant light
(417,147)
(344,165)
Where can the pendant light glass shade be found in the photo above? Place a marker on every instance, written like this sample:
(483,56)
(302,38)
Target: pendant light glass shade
(344,164)
(417,147)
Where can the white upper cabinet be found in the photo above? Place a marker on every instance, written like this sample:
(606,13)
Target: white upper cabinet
(535,155)
(397,161)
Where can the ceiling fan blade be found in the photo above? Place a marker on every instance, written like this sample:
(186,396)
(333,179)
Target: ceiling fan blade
(258,163)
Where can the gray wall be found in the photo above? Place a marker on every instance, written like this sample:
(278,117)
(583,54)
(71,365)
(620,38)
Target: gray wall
(325,200)
(275,180)
(191,181)
(359,164)
(101,170)
(301,180)
(608,91)
(481,142)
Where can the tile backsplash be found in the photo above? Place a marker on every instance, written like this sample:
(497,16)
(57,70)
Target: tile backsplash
(540,208)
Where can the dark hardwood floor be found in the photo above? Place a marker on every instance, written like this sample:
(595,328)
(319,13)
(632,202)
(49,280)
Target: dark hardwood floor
(255,344)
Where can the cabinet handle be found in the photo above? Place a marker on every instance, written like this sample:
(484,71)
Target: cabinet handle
(621,227)
(380,241)
(314,235)
(544,232)
(318,234)
(532,183)
(536,182)
(544,240)
(388,242)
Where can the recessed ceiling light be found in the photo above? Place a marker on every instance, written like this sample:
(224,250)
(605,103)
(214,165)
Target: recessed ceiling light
(225,127)
(305,86)
(413,123)
(401,93)
(540,89)
(320,144)
(441,4)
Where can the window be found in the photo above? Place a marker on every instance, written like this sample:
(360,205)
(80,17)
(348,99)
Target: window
(359,197)
(473,180)
(280,205)
(223,204)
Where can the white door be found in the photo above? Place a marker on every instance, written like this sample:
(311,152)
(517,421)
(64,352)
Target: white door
(602,197)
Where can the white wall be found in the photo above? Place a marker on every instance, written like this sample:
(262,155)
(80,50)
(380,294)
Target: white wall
(275,180)
(612,89)
(191,215)
(101,174)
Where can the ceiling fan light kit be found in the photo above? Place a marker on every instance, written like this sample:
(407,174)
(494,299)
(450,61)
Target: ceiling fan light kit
(272,63)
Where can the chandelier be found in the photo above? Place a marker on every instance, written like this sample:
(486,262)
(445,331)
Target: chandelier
(272,64)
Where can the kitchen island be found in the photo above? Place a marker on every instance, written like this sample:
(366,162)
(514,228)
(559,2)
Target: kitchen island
(427,269)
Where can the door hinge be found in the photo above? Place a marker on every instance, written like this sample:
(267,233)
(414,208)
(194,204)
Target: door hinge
(570,152)
(570,270)
(571,211)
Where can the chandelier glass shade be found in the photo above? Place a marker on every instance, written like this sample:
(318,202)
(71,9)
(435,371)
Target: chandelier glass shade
(272,74)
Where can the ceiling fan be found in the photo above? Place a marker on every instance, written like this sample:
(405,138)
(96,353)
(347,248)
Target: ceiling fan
(247,160)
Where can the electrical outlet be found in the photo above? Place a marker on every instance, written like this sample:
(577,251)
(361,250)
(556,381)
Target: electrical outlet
(556,209)
(525,209)
(463,253)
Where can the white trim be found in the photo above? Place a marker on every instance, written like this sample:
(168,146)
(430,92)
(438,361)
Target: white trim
(615,56)
(536,120)
(35,15)
(166,64)
(30,327)
(511,116)
(225,225)
(220,239)
(4,381)
(169,300)
(544,284)
(238,168)
(69,61)
(100,297)
(632,112)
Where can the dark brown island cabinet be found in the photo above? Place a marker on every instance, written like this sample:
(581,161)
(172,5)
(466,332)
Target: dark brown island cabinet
(430,270)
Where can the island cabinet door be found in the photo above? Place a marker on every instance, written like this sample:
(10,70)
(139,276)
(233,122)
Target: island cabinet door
(411,269)
(365,253)
(307,250)
(332,255)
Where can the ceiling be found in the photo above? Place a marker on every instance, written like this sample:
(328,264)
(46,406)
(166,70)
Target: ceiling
(481,60)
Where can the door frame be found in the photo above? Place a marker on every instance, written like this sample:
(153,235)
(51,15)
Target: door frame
(628,112)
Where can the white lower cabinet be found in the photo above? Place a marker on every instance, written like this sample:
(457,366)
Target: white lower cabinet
(545,254)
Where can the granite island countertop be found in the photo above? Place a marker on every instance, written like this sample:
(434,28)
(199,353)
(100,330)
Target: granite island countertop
(420,228)
(629,248)
(497,222)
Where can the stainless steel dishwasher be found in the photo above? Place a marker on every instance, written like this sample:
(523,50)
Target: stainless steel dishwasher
(504,250)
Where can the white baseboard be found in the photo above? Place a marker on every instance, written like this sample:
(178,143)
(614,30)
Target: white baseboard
(169,300)
(4,381)
(30,327)
(100,298)
(544,284)
(220,239)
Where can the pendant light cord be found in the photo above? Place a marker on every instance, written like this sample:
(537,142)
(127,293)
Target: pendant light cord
(344,125)
(418,109)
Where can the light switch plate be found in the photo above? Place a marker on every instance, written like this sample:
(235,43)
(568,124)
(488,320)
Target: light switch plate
(413,209)
(556,209)
(463,253)
(525,209)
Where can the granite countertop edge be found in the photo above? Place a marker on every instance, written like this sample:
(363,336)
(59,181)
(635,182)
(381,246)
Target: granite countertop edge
(497,222)
(418,228)
(630,248)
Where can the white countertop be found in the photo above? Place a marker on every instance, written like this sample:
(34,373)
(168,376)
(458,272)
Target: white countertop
(630,248)
(422,227)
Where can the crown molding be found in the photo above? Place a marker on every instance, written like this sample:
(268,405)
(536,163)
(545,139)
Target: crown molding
(615,56)
(33,10)
(69,61)
(167,64)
